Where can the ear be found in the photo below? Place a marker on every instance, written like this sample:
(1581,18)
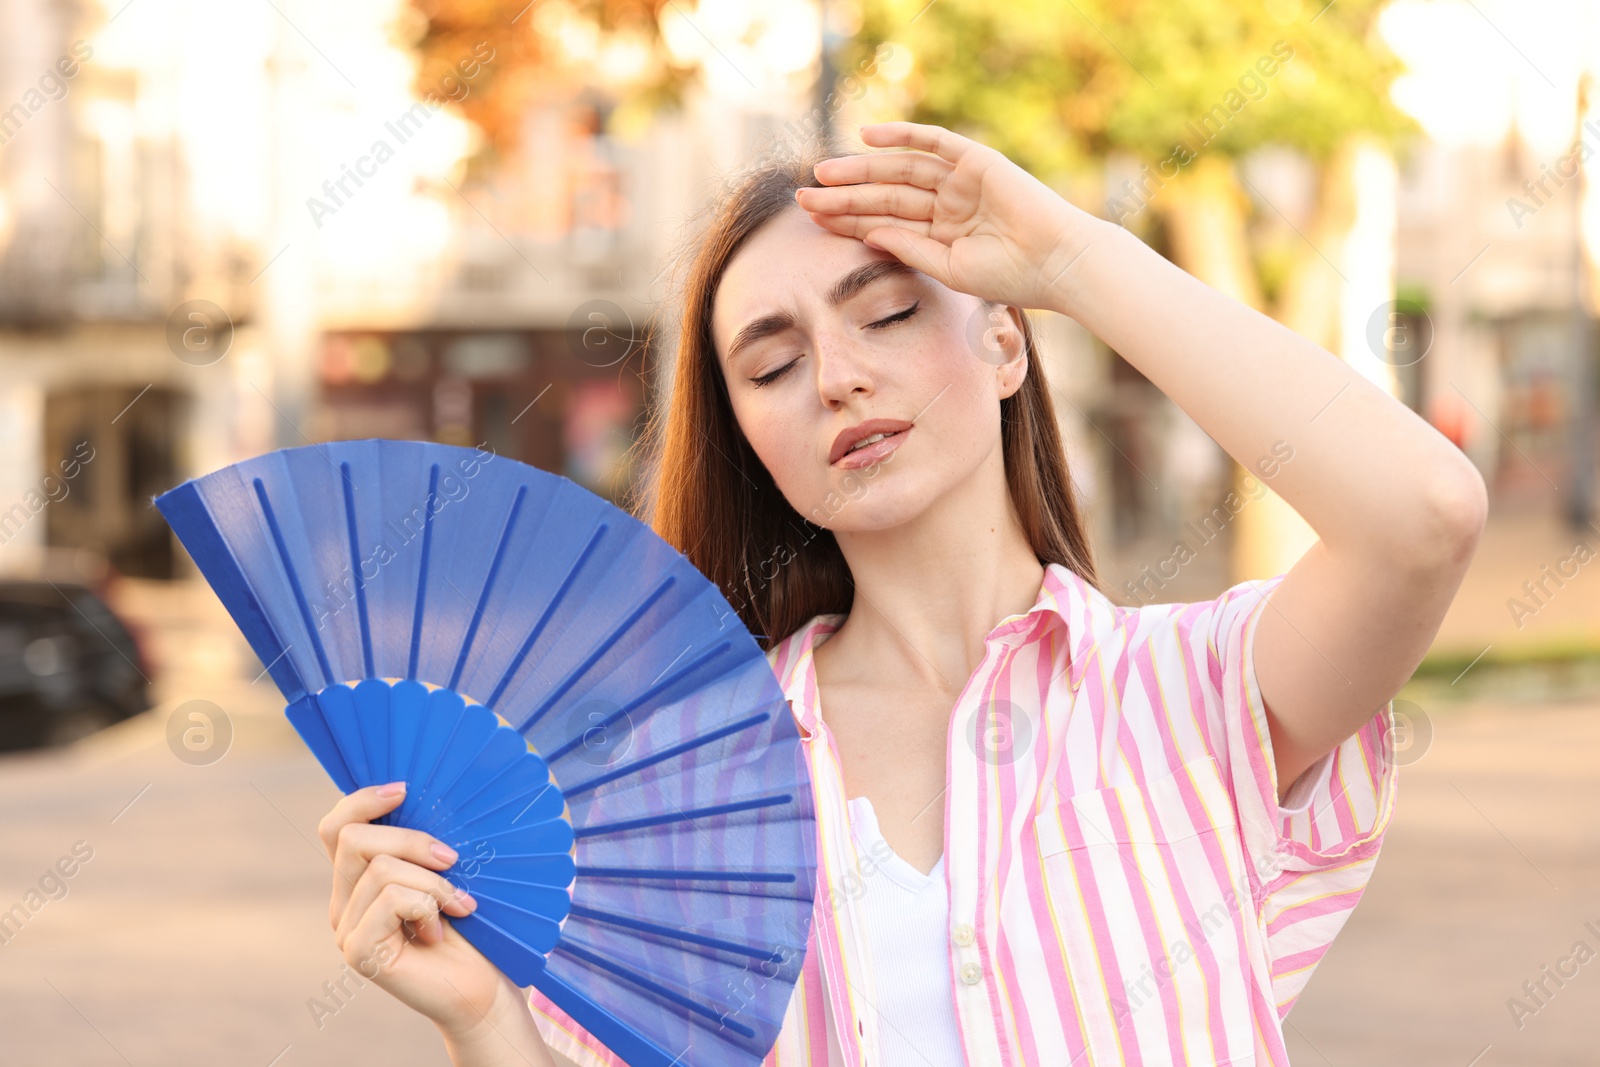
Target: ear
(1007,336)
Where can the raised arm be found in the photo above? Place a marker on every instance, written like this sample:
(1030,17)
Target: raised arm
(1397,508)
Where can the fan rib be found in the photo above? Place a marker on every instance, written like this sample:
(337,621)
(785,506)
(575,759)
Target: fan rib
(488,586)
(422,572)
(600,650)
(664,754)
(684,816)
(642,698)
(549,611)
(355,566)
(413,800)
(751,892)
(762,955)
(442,788)
(564,849)
(294,581)
(510,771)
(681,872)
(635,977)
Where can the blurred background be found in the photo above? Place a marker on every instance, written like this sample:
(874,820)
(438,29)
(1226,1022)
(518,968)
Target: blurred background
(232,227)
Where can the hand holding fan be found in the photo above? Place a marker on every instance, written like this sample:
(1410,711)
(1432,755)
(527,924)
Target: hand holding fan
(577,711)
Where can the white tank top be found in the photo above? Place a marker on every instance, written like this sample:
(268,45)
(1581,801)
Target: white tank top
(907,928)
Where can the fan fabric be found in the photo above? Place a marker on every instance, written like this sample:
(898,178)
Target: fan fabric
(580,711)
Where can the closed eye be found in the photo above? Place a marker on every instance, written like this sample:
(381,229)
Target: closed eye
(901,316)
(898,317)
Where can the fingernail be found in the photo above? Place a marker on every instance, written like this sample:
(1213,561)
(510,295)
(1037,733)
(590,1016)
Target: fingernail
(391,789)
(467,900)
(445,853)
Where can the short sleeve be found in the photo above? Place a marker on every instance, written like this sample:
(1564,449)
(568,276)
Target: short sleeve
(566,1038)
(1312,856)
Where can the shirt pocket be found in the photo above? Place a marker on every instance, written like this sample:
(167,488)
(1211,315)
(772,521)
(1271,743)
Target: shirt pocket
(1145,884)
(1188,803)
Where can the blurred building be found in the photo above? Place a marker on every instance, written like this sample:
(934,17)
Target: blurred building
(192,269)
(1497,227)
(1494,275)
(226,229)
(530,335)
(1488,334)
(94,251)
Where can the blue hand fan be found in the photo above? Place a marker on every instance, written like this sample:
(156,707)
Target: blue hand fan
(578,712)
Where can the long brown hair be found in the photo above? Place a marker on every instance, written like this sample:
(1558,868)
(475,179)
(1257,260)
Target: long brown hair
(706,493)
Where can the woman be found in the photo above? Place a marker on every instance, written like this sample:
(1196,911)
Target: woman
(1108,834)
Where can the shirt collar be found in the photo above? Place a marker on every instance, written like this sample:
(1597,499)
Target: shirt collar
(1064,598)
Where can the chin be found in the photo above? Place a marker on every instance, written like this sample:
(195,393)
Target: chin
(880,508)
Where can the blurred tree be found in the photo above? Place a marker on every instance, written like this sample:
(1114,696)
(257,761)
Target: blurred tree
(542,49)
(1058,85)
(1181,88)
(1173,93)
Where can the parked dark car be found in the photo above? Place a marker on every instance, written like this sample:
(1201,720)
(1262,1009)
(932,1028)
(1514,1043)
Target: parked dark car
(68,665)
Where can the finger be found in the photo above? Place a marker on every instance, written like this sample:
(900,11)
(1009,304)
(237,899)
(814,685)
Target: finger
(359,842)
(381,932)
(386,870)
(902,241)
(363,805)
(901,201)
(861,225)
(923,136)
(904,168)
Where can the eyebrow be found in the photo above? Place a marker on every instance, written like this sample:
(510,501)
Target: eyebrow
(843,289)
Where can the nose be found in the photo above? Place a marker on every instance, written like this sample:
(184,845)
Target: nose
(843,367)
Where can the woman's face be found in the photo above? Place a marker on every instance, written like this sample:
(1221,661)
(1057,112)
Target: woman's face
(902,347)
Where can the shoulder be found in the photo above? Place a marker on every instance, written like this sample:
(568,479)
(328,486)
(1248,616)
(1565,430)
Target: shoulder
(1110,641)
(1200,633)
(788,654)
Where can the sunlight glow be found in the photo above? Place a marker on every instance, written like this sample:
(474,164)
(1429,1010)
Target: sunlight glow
(1476,68)
(267,104)
(747,48)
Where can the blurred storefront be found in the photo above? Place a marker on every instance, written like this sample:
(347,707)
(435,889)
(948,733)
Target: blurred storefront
(170,303)
(525,394)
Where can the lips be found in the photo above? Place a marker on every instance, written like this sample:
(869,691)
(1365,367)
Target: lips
(848,438)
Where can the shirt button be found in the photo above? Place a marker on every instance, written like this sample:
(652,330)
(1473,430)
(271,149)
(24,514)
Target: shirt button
(963,934)
(971,973)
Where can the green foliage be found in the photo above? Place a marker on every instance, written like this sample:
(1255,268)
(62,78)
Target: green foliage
(1274,263)
(1412,298)
(1058,84)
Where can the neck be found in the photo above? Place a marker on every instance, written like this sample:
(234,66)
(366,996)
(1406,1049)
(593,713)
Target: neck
(929,591)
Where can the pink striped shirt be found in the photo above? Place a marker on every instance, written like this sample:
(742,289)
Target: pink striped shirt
(1124,886)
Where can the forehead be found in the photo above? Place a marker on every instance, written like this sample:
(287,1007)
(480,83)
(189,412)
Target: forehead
(791,230)
(788,254)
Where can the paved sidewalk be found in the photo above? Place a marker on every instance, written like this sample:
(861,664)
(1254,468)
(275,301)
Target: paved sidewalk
(197,933)
(1488,874)
(1563,566)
